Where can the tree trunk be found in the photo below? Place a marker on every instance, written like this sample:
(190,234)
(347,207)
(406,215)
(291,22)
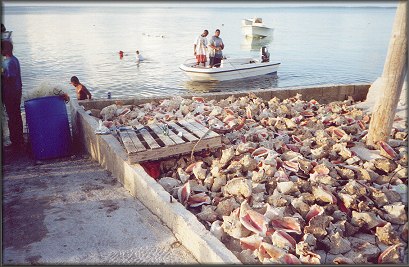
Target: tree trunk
(392,80)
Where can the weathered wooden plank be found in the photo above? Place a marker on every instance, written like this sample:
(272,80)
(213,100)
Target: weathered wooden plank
(165,139)
(137,143)
(191,128)
(176,138)
(148,138)
(185,133)
(202,128)
(127,141)
(174,150)
(138,126)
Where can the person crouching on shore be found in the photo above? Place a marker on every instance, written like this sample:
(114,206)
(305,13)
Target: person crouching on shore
(81,90)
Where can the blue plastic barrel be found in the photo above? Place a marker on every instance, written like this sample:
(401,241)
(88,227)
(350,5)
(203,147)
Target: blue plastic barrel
(48,126)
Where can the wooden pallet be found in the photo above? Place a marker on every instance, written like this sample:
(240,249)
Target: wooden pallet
(151,142)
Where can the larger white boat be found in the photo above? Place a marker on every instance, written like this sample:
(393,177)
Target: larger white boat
(230,69)
(255,28)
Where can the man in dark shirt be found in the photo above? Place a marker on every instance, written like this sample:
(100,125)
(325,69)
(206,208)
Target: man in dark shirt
(11,91)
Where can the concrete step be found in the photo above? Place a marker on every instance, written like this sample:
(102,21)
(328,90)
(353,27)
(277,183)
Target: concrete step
(72,211)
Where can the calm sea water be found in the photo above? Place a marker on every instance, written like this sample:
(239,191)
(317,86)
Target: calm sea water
(315,45)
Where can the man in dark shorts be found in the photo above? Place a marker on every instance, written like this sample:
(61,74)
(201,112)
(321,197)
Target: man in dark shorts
(216,46)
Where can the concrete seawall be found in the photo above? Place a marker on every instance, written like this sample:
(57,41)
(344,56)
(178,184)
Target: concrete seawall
(323,93)
(108,151)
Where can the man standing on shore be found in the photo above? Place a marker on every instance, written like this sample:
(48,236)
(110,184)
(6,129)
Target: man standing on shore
(200,47)
(216,46)
(11,92)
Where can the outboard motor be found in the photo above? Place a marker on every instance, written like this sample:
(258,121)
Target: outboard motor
(265,55)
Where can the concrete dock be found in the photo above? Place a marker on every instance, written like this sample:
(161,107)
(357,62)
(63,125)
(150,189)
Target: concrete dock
(72,211)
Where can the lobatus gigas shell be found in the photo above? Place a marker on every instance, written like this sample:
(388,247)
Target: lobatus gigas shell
(252,220)
(232,225)
(238,187)
(387,235)
(337,244)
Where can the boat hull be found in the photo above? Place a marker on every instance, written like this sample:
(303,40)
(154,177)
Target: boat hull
(230,71)
(256,31)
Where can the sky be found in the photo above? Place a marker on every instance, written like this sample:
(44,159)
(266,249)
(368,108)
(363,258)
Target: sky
(204,3)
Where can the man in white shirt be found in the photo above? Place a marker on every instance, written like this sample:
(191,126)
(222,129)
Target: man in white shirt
(200,48)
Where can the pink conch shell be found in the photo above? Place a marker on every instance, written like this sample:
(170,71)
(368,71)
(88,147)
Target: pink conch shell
(251,242)
(249,113)
(228,118)
(321,169)
(310,258)
(283,240)
(252,220)
(260,152)
(199,171)
(268,250)
(198,99)
(323,194)
(291,166)
(198,200)
(189,169)
(368,219)
(287,224)
(291,259)
(314,211)
(184,193)
(232,226)
(391,255)
(387,150)
(343,260)
(229,111)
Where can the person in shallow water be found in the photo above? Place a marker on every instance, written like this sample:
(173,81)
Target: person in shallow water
(199,48)
(82,91)
(11,90)
(139,57)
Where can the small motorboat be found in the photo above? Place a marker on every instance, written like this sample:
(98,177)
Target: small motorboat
(254,44)
(6,36)
(231,68)
(255,28)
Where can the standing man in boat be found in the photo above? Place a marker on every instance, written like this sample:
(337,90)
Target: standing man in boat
(216,46)
(200,47)
(11,90)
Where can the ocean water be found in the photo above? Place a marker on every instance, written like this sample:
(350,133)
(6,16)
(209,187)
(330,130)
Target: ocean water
(315,45)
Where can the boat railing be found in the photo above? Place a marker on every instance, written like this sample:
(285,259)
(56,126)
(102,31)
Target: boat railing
(189,61)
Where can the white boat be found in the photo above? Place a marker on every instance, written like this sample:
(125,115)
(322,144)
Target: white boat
(230,69)
(255,28)
(254,44)
(6,36)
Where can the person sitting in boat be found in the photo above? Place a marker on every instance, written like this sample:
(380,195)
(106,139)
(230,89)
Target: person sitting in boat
(81,90)
(265,55)
(139,57)
(216,46)
(200,47)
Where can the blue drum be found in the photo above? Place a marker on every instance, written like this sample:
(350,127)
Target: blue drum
(48,126)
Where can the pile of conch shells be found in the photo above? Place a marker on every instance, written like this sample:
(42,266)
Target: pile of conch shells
(289,184)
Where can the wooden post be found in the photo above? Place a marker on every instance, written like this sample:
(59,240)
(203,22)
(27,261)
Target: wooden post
(393,76)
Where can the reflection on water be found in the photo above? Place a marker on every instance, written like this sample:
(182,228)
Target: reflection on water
(254,44)
(259,82)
